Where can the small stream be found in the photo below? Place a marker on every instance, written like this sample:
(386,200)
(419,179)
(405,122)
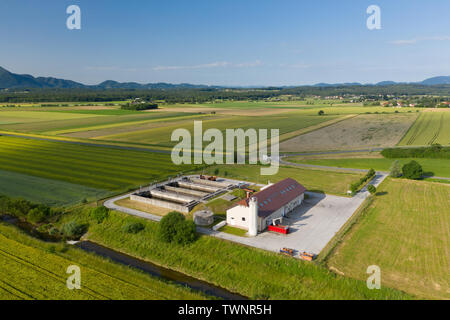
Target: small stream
(145,266)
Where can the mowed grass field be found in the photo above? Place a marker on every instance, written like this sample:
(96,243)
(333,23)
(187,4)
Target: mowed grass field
(35,270)
(438,167)
(362,131)
(406,232)
(430,128)
(332,182)
(95,167)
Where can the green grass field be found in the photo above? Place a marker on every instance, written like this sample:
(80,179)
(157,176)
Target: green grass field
(405,231)
(94,167)
(251,272)
(430,128)
(331,182)
(50,192)
(35,270)
(439,167)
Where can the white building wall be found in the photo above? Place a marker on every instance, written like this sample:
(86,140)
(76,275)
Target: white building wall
(238,217)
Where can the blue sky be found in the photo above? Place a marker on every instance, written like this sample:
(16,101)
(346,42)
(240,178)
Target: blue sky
(232,42)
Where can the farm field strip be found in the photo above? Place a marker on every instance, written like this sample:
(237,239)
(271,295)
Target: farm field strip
(104,132)
(406,235)
(80,121)
(162,136)
(430,128)
(30,271)
(113,170)
(362,131)
(47,191)
(128,125)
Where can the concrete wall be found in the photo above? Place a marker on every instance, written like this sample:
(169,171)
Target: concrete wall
(216,184)
(172,196)
(161,203)
(191,192)
(195,186)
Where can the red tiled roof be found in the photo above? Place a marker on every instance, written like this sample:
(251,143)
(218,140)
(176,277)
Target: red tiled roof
(277,195)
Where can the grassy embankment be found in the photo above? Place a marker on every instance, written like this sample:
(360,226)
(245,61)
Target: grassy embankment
(32,269)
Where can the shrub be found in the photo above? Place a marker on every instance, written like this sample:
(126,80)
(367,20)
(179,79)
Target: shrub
(39,214)
(139,106)
(74,229)
(372,189)
(53,231)
(175,228)
(99,214)
(133,227)
(412,170)
(185,232)
(395,170)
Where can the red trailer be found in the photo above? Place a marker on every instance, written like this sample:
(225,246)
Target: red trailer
(279,229)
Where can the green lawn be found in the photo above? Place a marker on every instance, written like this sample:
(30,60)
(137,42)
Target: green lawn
(439,167)
(35,270)
(331,182)
(405,231)
(251,272)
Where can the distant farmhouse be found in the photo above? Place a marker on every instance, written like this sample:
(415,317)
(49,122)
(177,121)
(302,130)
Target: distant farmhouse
(257,212)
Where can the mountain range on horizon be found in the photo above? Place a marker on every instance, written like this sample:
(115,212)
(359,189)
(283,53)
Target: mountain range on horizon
(9,80)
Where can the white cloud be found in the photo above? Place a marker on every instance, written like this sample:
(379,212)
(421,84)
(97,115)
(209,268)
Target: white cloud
(219,64)
(416,40)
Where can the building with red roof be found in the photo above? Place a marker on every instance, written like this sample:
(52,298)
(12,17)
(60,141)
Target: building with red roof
(273,202)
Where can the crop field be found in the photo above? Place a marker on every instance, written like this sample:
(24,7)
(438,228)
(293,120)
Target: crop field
(34,270)
(438,167)
(94,167)
(49,192)
(237,268)
(363,131)
(15,117)
(52,122)
(331,182)
(161,136)
(430,128)
(406,232)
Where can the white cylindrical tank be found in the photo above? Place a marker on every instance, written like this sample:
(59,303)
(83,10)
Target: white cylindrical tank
(253,218)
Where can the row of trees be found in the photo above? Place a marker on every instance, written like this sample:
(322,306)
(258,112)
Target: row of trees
(435,151)
(194,95)
(411,170)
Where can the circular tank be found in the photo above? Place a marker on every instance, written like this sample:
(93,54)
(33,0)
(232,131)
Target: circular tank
(203,218)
